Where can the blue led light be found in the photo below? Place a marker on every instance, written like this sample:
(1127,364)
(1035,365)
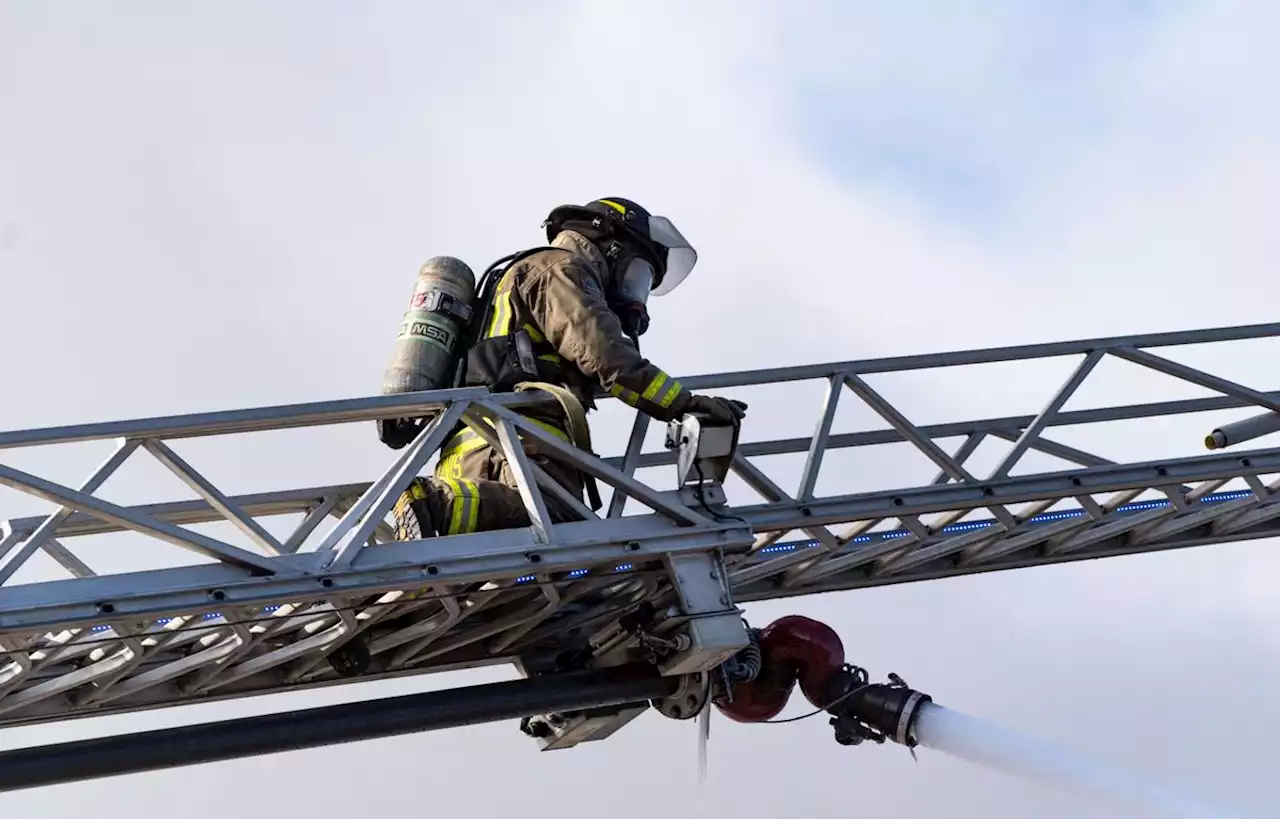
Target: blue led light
(969,526)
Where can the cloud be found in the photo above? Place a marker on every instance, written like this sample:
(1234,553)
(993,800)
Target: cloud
(219,208)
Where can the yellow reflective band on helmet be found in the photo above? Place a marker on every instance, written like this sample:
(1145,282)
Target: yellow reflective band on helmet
(614,205)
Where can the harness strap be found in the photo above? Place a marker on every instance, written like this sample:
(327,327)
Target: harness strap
(579,431)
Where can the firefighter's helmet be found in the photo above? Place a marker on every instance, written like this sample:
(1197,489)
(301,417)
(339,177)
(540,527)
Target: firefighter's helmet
(671,254)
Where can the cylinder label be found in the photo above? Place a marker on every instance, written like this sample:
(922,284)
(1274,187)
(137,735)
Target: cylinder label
(428,332)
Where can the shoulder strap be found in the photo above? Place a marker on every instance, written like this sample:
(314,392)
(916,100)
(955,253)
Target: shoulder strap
(482,309)
(489,281)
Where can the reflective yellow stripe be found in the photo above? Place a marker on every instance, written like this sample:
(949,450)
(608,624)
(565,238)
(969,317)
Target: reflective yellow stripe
(451,465)
(535,335)
(614,205)
(466,440)
(500,324)
(651,391)
(464,511)
(451,454)
(455,506)
(628,396)
(473,513)
(670,396)
(552,357)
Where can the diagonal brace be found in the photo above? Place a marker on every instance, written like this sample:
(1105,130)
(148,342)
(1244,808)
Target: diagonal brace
(205,489)
(907,429)
(518,460)
(821,436)
(970,445)
(42,536)
(484,425)
(924,443)
(134,520)
(1033,430)
(380,497)
(597,468)
(1197,377)
(630,460)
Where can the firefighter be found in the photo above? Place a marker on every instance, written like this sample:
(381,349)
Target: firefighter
(565,320)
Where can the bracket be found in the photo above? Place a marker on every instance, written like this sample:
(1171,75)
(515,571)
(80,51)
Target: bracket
(556,732)
(704,449)
(712,626)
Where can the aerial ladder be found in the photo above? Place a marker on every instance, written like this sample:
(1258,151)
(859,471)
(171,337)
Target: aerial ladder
(631,608)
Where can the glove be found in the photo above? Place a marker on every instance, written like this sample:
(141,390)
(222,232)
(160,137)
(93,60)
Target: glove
(398,433)
(724,410)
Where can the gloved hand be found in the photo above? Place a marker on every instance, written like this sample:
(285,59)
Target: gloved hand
(723,410)
(398,433)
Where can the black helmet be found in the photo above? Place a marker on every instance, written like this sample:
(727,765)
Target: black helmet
(672,255)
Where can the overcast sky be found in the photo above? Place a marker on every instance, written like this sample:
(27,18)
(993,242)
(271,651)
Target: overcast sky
(220,205)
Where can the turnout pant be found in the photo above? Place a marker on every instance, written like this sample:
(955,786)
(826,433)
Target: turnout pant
(474,489)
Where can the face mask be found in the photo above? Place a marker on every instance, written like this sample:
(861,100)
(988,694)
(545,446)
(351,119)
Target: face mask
(631,294)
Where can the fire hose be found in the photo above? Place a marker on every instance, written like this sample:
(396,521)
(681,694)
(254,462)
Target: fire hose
(796,651)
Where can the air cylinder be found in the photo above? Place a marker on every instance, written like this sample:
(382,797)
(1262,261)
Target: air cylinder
(427,346)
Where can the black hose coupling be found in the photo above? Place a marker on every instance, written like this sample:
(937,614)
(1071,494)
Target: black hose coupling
(878,711)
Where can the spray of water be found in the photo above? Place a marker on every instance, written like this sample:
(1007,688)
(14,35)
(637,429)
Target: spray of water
(978,741)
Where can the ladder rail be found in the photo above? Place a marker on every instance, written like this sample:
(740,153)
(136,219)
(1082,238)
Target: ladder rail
(108,643)
(358,410)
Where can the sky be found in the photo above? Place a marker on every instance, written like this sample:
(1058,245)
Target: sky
(208,206)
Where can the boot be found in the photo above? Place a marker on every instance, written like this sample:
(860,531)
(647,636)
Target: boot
(412,512)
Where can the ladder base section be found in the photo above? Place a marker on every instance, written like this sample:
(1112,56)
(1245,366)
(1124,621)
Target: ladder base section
(330,725)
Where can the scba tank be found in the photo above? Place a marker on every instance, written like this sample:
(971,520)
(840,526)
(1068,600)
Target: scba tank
(439,313)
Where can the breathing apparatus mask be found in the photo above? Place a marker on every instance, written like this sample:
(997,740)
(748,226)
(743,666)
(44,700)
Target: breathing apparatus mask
(631,283)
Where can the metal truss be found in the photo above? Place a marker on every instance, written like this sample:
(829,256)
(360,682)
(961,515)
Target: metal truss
(268,614)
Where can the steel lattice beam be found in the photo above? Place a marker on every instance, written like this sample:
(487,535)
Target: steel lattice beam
(261,618)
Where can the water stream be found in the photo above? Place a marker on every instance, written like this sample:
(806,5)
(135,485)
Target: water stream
(986,744)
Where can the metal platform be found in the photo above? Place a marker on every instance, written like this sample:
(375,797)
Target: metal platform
(260,617)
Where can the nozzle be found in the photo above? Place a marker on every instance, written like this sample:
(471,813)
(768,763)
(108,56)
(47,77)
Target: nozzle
(878,711)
